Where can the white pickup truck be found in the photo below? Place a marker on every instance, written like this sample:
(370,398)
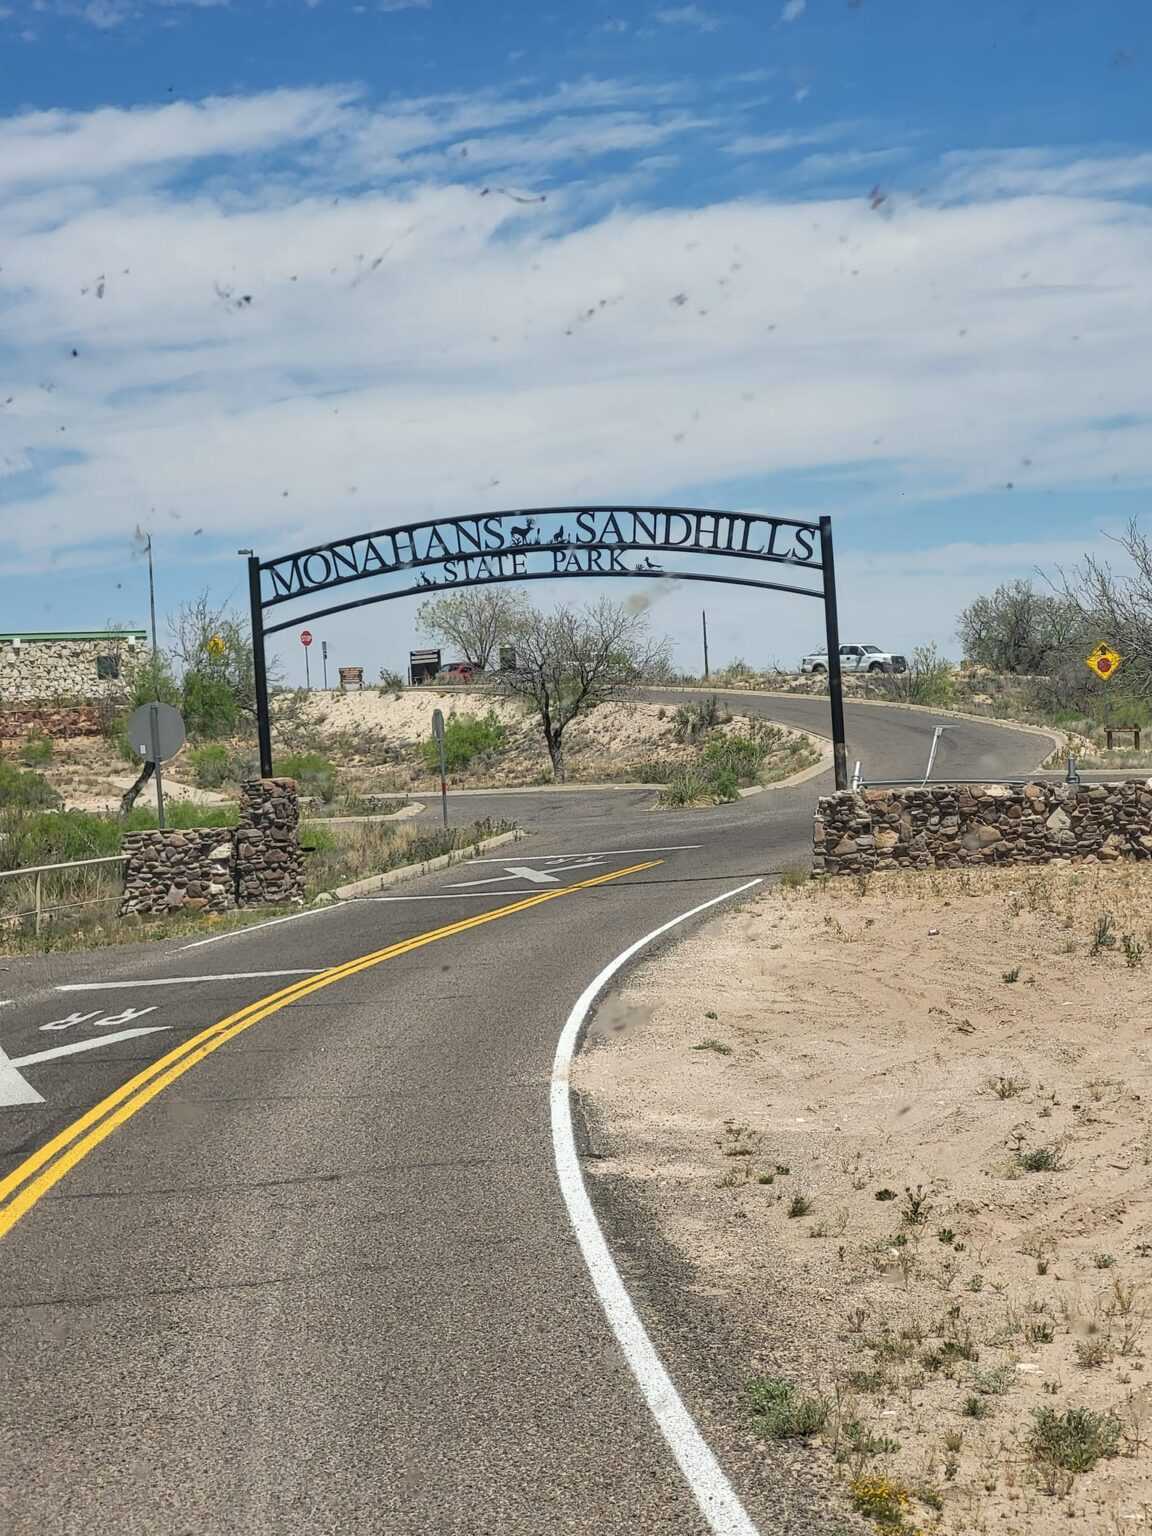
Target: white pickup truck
(857,658)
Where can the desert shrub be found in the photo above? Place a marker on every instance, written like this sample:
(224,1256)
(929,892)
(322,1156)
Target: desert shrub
(466,737)
(780,1412)
(210,764)
(390,682)
(692,722)
(313,773)
(37,751)
(1074,1440)
(25,790)
(734,757)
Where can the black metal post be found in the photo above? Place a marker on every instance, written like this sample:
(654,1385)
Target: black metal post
(704,620)
(260,669)
(832,631)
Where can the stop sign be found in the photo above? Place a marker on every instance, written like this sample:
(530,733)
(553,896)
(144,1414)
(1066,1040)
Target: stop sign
(305,637)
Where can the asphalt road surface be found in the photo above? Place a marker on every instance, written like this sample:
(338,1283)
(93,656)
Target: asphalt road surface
(315,1274)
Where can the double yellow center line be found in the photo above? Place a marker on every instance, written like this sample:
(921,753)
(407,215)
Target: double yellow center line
(34,1177)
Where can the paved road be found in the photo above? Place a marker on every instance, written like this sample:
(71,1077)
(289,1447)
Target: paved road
(323,1281)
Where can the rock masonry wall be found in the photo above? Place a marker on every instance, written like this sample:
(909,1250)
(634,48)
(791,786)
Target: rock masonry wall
(66,671)
(179,871)
(269,864)
(60,721)
(216,869)
(947,826)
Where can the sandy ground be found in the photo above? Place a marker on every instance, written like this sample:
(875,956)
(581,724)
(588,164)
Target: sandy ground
(830,1048)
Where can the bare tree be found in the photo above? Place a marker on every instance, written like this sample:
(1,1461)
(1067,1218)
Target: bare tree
(572,659)
(477,621)
(1017,629)
(1117,607)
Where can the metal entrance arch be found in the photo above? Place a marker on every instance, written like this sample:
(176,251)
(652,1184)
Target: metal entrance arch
(548,544)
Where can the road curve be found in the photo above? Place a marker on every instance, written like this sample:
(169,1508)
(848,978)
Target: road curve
(324,1281)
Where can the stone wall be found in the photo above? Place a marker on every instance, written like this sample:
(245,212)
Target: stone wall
(214,869)
(947,826)
(61,722)
(65,670)
(179,871)
(269,864)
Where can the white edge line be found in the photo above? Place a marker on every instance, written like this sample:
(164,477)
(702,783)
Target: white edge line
(457,895)
(718,1500)
(176,981)
(596,853)
(252,927)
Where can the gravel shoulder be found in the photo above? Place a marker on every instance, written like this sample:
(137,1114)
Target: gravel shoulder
(894,1140)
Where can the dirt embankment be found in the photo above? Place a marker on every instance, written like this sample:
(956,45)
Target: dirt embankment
(916,1115)
(376,737)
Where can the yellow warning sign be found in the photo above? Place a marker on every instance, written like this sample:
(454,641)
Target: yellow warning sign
(216,646)
(1103,661)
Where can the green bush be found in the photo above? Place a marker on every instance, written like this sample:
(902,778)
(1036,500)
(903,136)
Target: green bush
(735,758)
(211,765)
(37,751)
(466,737)
(312,771)
(210,705)
(25,790)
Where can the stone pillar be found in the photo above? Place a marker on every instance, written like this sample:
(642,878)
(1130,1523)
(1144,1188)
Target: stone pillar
(269,867)
(178,872)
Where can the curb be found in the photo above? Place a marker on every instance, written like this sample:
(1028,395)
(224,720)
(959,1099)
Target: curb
(403,814)
(409,871)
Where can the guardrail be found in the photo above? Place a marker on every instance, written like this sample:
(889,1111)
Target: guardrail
(36,872)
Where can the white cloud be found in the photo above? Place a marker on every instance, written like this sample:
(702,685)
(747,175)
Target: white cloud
(848,162)
(689,16)
(794,10)
(789,138)
(1045,173)
(39,147)
(413,348)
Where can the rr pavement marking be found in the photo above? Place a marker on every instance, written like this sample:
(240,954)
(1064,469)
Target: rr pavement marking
(26,1184)
(601,853)
(16,1089)
(718,1500)
(178,981)
(86,1045)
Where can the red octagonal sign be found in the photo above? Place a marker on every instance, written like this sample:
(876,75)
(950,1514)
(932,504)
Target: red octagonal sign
(305,637)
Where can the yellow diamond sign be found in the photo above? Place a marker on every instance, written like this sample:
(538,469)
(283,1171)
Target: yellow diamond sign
(216,646)
(1103,661)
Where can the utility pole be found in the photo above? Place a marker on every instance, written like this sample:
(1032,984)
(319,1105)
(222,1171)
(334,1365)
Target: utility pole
(155,683)
(704,620)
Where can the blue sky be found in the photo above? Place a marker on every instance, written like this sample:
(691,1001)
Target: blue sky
(887,259)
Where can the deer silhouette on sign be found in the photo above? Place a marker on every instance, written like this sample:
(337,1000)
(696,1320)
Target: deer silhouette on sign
(520,531)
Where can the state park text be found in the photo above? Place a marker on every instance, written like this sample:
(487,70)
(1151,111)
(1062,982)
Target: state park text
(506,545)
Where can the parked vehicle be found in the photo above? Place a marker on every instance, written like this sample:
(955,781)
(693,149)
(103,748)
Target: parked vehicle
(857,658)
(458,672)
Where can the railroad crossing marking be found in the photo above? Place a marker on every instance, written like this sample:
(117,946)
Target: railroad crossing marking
(16,1089)
(530,873)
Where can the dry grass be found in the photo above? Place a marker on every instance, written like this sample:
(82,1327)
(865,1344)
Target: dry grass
(981,1306)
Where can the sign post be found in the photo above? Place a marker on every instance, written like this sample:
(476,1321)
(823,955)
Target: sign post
(438,733)
(306,641)
(324,656)
(156,731)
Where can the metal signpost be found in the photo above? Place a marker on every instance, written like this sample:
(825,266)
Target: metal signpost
(551,544)
(306,641)
(156,732)
(438,733)
(324,658)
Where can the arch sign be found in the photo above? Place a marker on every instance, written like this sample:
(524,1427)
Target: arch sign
(746,549)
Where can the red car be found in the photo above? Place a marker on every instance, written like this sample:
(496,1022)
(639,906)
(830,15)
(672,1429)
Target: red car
(459,672)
